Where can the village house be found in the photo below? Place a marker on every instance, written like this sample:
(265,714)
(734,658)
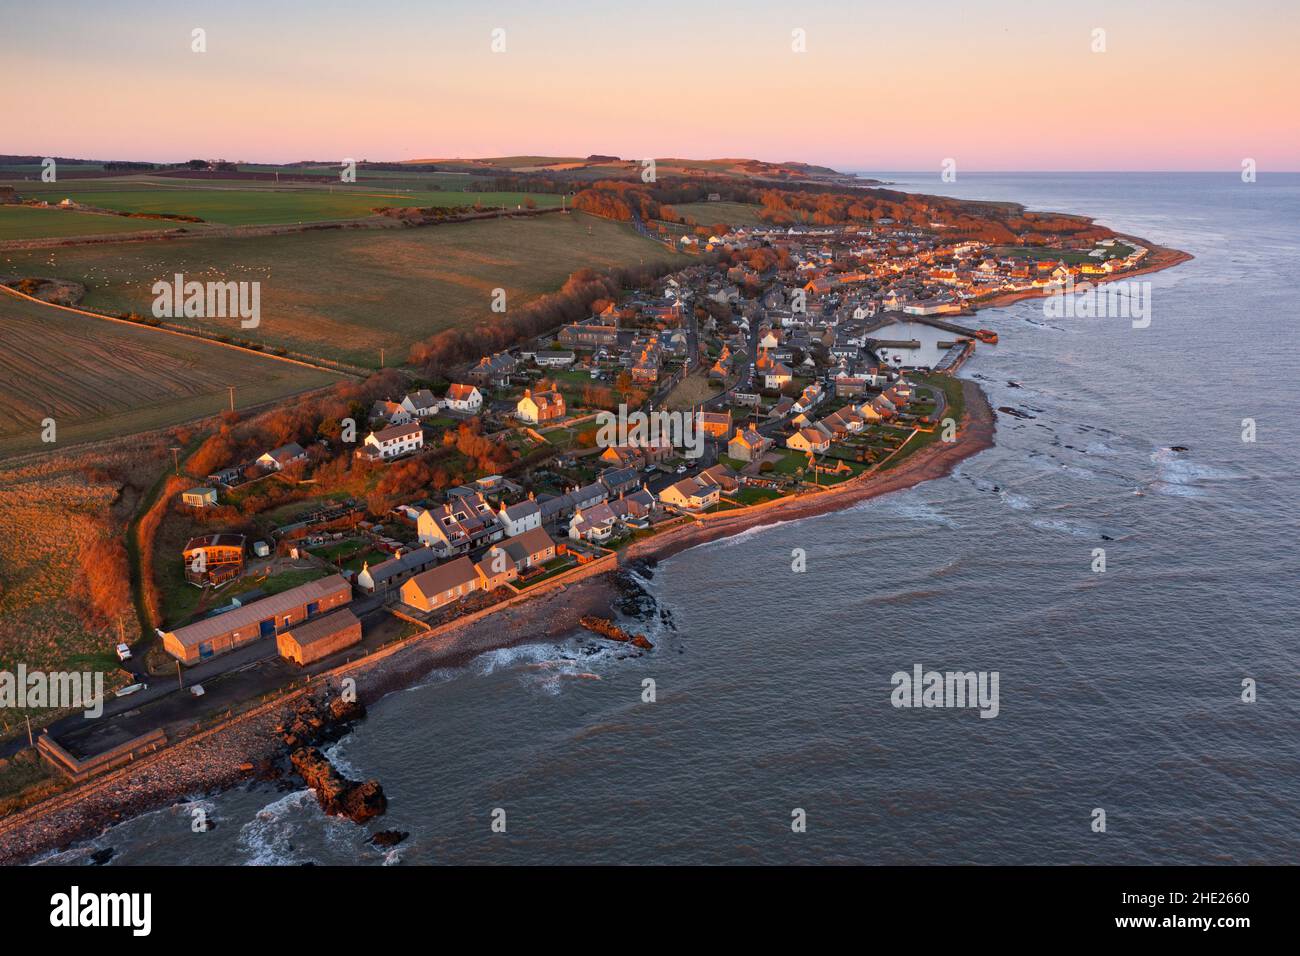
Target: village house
(775,374)
(421,403)
(582,335)
(495,369)
(520,517)
(589,495)
(554,358)
(513,557)
(849,386)
(715,424)
(691,494)
(392,442)
(809,440)
(441,586)
(619,480)
(392,412)
(810,397)
(319,637)
(213,559)
(846,421)
(463,522)
(390,574)
(202,497)
(594,524)
(265,618)
(720,475)
(748,444)
(277,459)
(638,456)
(599,523)
(537,407)
(464,398)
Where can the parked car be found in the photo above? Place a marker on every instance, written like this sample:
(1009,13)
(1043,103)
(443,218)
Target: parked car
(123,652)
(131,689)
(681,469)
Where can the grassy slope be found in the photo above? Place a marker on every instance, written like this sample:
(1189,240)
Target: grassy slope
(346,294)
(99,379)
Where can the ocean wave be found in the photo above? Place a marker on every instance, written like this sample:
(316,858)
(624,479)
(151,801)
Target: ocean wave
(740,537)
(1178,476)
(908,509)
(1065,527)
(334,755)
(1014,501)
(264,839)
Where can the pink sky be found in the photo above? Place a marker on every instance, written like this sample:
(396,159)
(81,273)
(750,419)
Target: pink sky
(1003,86)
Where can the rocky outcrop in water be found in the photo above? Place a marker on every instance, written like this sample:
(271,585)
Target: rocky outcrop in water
(336,794)
(387,838)
(608,629)
(322,720)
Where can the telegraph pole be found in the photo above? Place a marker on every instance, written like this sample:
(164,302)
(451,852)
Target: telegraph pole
(176,458)
(232,397)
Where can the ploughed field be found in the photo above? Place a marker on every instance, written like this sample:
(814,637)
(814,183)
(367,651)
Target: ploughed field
(99,379)
(345,294)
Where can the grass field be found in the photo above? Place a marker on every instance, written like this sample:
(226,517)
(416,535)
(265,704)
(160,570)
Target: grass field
(240,203)
(345,294)
(100,379)
(31,222)
(710,213)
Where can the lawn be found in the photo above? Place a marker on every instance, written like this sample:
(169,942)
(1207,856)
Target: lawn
(344,295)
(242,203)
(33,222)
(790,462)
(754,496)
(98,379)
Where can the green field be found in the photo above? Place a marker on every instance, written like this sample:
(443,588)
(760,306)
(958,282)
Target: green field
(99,379)
(33,222)
(344,295)
(243,203)
(711,213)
